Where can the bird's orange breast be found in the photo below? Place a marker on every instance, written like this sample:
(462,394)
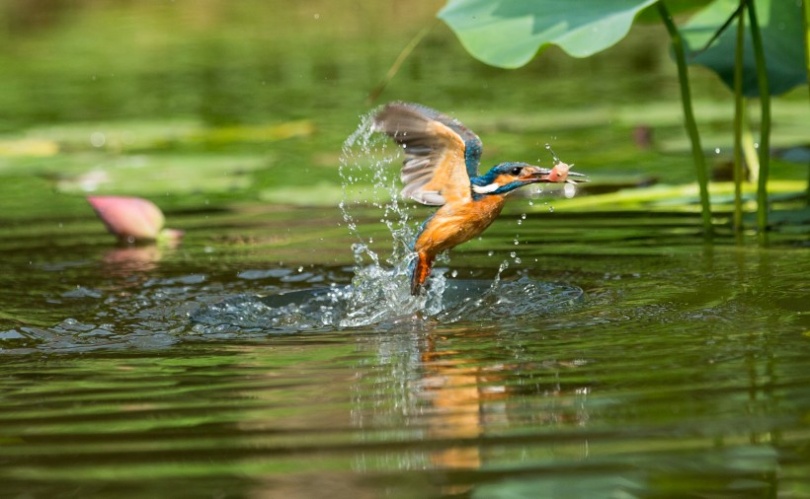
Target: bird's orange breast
(457,223)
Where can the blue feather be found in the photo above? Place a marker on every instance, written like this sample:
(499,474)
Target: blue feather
(489,177)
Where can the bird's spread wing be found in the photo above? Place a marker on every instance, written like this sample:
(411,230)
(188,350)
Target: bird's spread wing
(441,154)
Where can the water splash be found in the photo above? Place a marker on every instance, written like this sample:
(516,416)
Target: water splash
(379,301)
(554,156)
(379,293)
(369,170)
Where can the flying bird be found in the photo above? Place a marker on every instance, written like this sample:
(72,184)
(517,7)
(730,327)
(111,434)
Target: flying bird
(441,169)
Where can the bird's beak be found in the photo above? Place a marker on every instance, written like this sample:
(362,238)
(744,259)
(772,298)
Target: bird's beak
(535,174)
(559,173)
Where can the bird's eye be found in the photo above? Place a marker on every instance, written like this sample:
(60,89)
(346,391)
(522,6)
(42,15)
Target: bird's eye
(516,170)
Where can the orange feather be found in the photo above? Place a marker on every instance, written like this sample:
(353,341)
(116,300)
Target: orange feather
(441,169)
(450,178)
(451,225)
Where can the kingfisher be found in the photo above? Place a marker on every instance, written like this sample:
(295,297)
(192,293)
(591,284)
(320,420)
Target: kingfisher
(441,169)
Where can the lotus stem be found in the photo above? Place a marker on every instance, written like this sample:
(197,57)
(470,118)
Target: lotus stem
(806,4)
(765,125)
(739,111)
(689,117)
(394,69)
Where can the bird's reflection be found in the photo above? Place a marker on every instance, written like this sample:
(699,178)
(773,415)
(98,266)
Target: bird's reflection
(465,391)
(455,393)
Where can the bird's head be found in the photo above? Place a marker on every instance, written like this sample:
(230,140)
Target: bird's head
(506,177)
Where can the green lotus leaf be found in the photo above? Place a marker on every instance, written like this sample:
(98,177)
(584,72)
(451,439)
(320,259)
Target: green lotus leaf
(782,39)
(508,33)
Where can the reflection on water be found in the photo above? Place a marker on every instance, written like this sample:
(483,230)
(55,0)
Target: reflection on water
(127,260)
(681,371)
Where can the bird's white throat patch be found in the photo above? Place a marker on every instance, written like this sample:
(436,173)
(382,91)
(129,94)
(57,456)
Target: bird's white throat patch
(485,189)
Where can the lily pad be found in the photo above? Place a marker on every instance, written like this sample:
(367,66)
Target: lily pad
(782,40)
(155,175)
(26,147)
(508,34)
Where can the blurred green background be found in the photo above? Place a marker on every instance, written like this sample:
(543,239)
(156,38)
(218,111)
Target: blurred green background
(197,103)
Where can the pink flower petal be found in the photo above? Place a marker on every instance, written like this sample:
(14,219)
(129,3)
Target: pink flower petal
(129,218)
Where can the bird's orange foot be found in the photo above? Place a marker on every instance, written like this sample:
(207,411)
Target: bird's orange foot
(420,273)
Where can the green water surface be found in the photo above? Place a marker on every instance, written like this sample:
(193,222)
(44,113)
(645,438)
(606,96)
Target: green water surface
(682,372)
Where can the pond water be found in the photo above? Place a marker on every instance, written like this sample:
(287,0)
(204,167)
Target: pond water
(592,347)
(681,369)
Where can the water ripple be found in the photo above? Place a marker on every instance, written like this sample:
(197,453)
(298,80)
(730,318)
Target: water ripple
(385,301)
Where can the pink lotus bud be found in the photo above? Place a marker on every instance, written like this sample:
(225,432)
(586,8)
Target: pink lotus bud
(130,219)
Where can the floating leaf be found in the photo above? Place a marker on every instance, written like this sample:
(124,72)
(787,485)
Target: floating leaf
(150,174)
(508,34)
(28,147)
(259,133)
(782,39)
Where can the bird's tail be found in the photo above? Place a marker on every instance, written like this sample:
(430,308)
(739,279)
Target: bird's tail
(420,270)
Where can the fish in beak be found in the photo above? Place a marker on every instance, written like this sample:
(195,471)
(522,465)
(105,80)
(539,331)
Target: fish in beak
(561,172)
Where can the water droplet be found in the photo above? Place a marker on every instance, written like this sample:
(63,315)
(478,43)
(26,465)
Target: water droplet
(569,190)
(490,253)
(454,273)
(512,254)
(523,216)
(550,209)
(553,154)
(717,150)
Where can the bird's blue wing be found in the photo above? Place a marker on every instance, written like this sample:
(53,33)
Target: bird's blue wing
(441,154)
